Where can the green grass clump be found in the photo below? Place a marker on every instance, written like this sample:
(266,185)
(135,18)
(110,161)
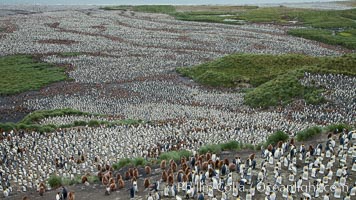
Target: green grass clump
(308,133)
(155,9)
(122,163)
(139,162)
(231,145)
(274,138)
(212,148)
(55,181)
(337,128)
(36,116)
(232,70)
(283,90)
(346,38)
(20,73)
(166,9)
(274,78)
(30,122)
(175,155)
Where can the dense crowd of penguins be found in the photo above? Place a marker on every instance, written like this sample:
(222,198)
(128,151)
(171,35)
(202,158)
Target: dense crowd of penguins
(324,170)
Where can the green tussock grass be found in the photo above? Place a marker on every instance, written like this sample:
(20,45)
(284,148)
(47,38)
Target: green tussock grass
(234,69)
(144,8)
(175,155)
(131,162)
(274,79)
(30,121)
(36,116)
(276,137)
(283,90)
(22,73)
(308,133)
(321,23)
(346,38)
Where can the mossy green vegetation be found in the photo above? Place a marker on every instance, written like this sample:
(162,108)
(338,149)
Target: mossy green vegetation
(30,122)
(167,9)
(345,38)
(234,69)
(308,133)
(276,137)
(175,155)
(56,181)
(36,116)
(283,90)
(335,27)
(20,73)
(274,78)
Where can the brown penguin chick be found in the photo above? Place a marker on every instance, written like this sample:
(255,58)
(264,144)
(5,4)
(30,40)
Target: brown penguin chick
(169,171)
(131,170)
(105,180)
(208,156)
(84,179)
(71,196)
(164,176)
(201,159)
(205,166)
(279,145)
(42,189)
(183,160)
(232,167)
(212,163)
(170,180)
(185,178)
(127,175)
(252,156)
(121,184)
(148,170)
(174,166)
(113,186)
(146,183)
(220,164)
(100,176)
(187,171)
(118,177)
(226,161)
(217,164)
(163,164)
(136,174)
(184,166)
(25,198)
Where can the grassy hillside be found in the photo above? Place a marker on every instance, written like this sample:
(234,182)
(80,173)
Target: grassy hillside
(21,73)
(273,77)
(335,27)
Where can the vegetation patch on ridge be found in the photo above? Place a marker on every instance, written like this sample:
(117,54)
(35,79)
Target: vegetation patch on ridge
(274,78)
(30,122)
(20,73)
(335,27)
